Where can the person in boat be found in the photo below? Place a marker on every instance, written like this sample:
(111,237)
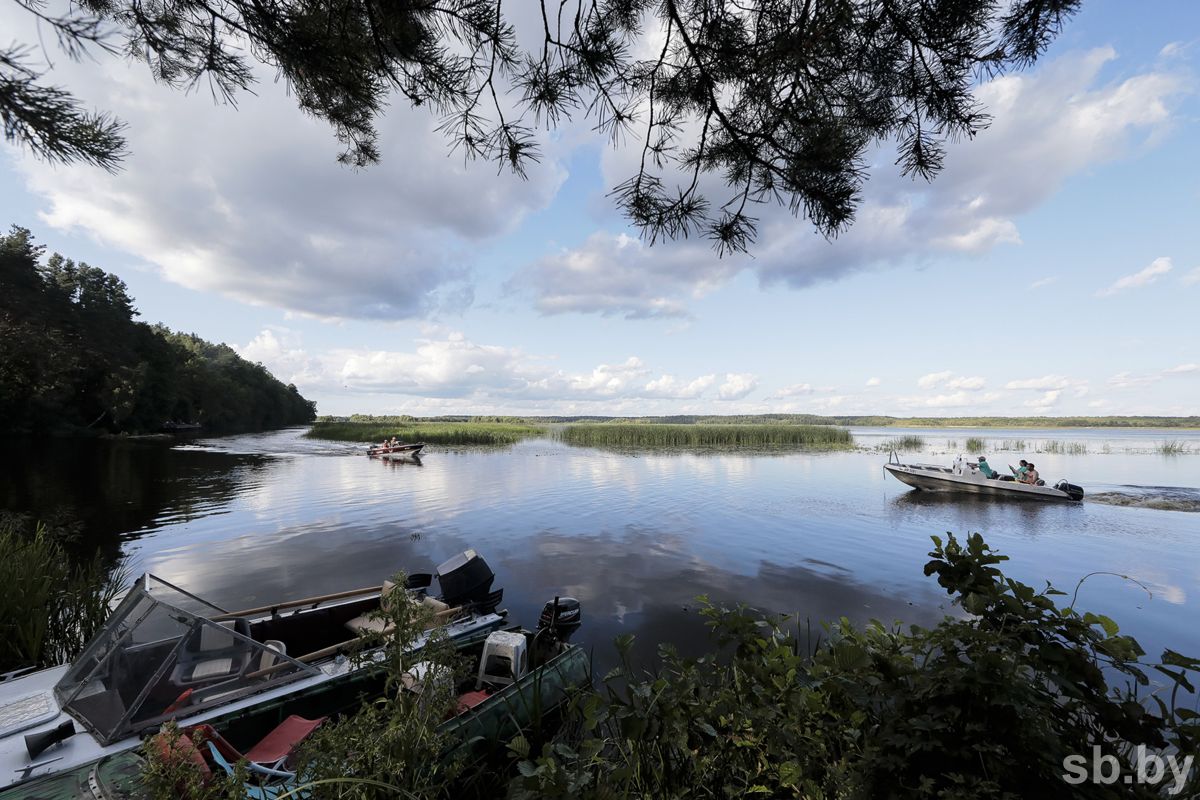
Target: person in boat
(1031,475)
(986,468)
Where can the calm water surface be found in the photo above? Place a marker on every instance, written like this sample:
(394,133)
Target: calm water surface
(246,520)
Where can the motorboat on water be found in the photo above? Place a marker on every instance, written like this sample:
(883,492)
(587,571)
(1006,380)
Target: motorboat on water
(964,476)
(402,449)
(165,654)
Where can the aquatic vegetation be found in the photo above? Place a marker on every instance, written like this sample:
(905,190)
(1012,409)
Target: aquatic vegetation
(952,444)
(703,435)
(975,445)
(878,707)
(907,442)
(448,433)
(1171,447)
(51,603)
(1055,447)
(1012,445)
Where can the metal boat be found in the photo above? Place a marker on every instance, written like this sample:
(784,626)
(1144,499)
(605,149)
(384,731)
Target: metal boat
(165,654)
(396,450)
(964,476)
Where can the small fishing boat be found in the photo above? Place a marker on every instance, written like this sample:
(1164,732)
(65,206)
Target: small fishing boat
(165,654)
(964,476)
(401,449)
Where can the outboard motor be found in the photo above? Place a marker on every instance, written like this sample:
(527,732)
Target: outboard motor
(1072,491)
(466,579)
(562,616)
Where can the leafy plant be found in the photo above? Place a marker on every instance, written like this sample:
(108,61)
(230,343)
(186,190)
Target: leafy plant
(53,602)
(984,705)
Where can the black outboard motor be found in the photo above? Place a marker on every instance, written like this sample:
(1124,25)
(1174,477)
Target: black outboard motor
(466,579)
(1073,491)
(562,616)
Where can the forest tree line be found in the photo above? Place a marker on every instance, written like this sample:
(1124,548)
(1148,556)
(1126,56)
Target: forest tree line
(73,358)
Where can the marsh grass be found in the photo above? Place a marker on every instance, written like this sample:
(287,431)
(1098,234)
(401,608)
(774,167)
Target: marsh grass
(907,442)
(1171,447)
(701,436)
(448,433)
(51,602)
(976,445)
(1056,447)
(1012,445)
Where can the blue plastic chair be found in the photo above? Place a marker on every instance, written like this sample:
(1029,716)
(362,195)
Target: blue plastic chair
(285,781)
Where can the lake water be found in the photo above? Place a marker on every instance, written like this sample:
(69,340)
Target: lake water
(247,520)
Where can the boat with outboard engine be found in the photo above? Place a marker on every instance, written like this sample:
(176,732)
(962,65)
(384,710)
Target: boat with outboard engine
(965,476)
(400,449)
(165,654)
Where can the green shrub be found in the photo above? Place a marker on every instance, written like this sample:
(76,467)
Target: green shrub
(986,705)
(52,603)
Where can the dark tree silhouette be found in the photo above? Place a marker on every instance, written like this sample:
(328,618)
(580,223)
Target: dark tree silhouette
(777,99)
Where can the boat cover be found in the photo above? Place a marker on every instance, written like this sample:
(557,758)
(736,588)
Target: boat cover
(163,653)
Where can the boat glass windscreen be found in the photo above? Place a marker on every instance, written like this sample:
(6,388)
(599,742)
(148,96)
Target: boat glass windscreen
(153,661)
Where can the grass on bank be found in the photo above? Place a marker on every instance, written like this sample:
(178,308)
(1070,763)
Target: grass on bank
(705,436)
(409,430)
(51,603)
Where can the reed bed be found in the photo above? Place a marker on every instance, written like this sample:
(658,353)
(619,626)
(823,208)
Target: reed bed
(446,433)
(702,436)
(1172,447)
(908,442)
(1064,448)
(51,604)
(1012,445)
(976,445)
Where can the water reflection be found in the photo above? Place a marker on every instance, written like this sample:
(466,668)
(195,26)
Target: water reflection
(254,519)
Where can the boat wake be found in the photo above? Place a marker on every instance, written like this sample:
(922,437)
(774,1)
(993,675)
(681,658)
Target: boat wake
(1162,498)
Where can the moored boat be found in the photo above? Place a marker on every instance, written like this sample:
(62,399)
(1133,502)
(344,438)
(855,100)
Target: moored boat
(964,476)
(165,654)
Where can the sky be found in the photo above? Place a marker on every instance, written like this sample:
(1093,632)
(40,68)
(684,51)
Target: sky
(1053,268)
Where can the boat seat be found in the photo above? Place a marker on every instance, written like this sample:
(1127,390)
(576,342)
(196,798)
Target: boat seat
(211,654)
(374,622)
(270,656)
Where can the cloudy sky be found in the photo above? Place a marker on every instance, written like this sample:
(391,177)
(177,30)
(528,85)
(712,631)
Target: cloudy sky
(1053,268)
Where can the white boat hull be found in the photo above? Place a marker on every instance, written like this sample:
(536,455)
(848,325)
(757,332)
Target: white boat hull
(928,478)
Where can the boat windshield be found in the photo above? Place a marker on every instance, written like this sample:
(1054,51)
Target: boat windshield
(165,653)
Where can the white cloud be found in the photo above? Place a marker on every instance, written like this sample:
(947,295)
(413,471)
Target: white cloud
(1127,380)
(873,382)
(948,380)
(1045,401)
(250,203)
(1043,282)
(1192,277)
(737,386)
(1048,125)
(933,379)
(1143,277)
(1044,383)
(668,386)
(795,390)
(618,274)
(1183,369)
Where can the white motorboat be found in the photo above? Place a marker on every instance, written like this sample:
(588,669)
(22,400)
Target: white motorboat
(165,654)
(964,476)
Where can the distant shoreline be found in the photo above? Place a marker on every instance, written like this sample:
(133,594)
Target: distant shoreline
(856,421)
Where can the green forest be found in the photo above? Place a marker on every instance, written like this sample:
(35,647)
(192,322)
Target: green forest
(74,359)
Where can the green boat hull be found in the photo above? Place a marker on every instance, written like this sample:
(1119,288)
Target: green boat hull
(489,725)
